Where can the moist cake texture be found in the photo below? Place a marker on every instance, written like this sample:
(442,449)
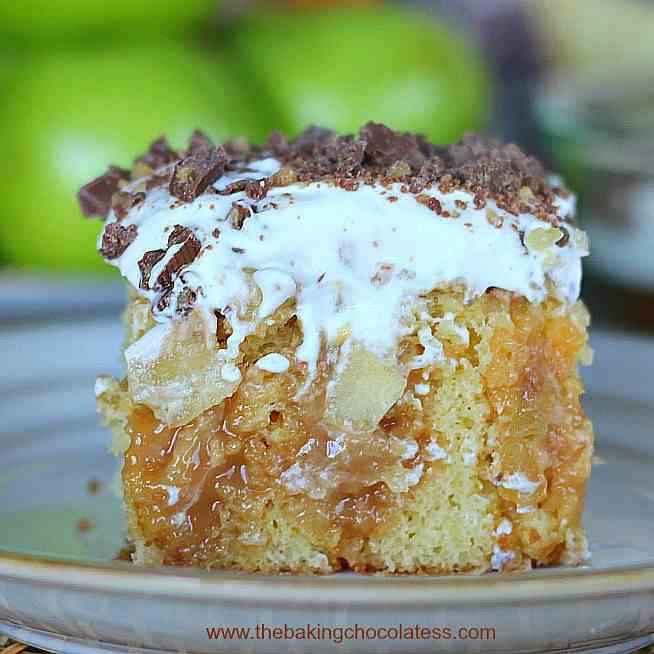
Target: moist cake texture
(348,352)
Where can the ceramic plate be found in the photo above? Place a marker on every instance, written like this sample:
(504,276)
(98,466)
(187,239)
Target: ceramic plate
(61,526)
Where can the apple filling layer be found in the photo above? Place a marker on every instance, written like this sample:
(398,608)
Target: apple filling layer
(464,450)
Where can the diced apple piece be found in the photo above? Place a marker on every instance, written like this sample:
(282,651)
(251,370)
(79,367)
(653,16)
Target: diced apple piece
(364,391)
(138,319)
(178,372)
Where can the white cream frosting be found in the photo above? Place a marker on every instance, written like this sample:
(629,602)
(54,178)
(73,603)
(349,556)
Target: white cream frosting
(355,261)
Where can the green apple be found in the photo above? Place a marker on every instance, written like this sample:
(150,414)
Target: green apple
(38,20)
(72,114)
(343,67)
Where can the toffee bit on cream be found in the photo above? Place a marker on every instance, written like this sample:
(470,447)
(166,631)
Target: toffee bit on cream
(293,207)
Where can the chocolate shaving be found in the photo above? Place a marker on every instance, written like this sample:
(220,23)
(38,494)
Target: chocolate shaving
(122,202)
(257,189)
(384,146)
(186,300)
(238,148)
(238,214)
(284,177)
(194,173)
(277,143)
(198,141)
(189,250)
(157,180)
(159,154)
(163,302)
(95,197)
(377,155)
(430,202)
(223,328)
(147,263)
(116,239)
(234,187)
(319,152)
(179,235)
(565,239)
(481,162)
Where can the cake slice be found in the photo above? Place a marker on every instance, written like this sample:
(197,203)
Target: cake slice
(348,352)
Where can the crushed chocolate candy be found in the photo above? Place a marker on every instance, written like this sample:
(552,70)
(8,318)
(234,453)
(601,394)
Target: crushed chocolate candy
(313,137)
(319,152)
(487,163)
(116,239)
(484,167)
(432,169)
(185,255)
(198,141)
(565,239)
(234,187)
(186,301)
(430,202)
(159,154)
(163,301)
(257,189)
(194,173)
(399,170)
(238,214)
(157,180)
(284,177)
(277,143)
(123,201)
(179,235)
(139,170)
(384,146)
(223,328)
(238,148)
(95,197)
(147,262)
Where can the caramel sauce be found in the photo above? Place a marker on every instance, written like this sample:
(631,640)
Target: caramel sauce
(534,392)
(201,490)
(195,487)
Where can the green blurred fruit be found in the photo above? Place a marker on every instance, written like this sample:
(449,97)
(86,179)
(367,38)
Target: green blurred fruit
(342,68)
(36,20)
(73,114)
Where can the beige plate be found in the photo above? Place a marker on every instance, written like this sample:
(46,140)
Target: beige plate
(60,590)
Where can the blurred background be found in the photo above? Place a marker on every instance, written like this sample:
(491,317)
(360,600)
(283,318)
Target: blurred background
(84,83)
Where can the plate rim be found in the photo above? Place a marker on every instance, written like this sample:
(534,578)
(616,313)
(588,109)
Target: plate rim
(539,586)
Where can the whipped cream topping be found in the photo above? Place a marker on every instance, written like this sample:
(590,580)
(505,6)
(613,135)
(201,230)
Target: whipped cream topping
(356,262)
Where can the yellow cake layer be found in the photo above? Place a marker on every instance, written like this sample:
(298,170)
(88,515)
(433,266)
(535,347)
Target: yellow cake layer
(480,462)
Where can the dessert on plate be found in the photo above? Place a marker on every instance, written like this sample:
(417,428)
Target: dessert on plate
(347,352)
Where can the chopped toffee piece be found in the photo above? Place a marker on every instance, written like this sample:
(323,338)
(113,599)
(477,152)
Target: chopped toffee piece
(384,147)
(238,214)
(190,247)
(194,173)
(95,197)
(256,189)
(116,239)
(147,263)
(377,154)
(123,201)
(198,141)
(159,154)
